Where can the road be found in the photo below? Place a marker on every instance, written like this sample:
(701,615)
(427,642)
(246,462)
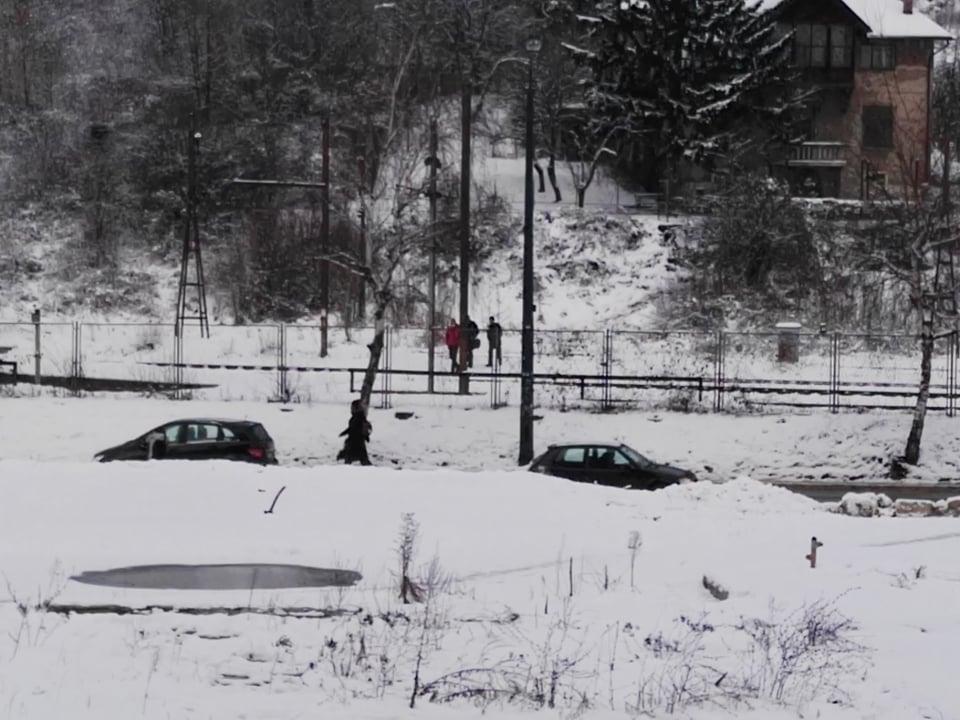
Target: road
(832,492)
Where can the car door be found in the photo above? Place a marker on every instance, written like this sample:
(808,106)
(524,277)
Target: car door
(606,465)
(570,463)
(200,441)
(230,445)
(172,447)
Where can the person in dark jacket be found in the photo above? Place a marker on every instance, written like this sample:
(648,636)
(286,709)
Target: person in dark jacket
(358,435)
(452,340)
(473,340)
(494,336)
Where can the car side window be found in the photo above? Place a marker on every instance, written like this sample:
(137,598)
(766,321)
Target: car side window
(620,460)
(227,433)
(601,457)
(173,433)
(202,432)
(572,456)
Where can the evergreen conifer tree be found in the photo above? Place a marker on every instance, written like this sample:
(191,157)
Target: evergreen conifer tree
(690,81)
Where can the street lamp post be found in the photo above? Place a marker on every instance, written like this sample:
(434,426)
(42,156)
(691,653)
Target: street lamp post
(526,347)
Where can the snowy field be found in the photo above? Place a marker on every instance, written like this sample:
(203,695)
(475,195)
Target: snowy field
(536,601)
(532,604)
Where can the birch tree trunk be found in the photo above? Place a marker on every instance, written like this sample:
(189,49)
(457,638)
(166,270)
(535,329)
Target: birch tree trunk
(912,453)
(375,347)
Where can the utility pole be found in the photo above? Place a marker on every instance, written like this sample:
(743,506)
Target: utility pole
(466,111)
(325,237)
(526,347)
(434,163)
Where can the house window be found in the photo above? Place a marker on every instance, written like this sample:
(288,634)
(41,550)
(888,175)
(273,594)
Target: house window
(878,126)
(810,46)
(820,46)
(841,46)
(877,56)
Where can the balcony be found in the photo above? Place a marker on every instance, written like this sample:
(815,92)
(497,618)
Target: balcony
(817,154)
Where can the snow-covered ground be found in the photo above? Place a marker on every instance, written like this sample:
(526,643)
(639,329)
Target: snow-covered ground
(811,446)
(542,600)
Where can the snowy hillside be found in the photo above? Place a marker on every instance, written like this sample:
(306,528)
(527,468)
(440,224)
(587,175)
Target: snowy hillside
(594,266)
(593,270)
(41,266)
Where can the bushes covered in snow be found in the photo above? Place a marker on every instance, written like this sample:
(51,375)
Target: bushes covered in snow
(870,504)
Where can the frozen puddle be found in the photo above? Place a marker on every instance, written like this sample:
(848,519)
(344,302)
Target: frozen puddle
(242,576)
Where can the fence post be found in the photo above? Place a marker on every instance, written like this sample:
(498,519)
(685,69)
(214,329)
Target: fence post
(835,373)
(35,318)
(76,365)
(952,375)
(605,367)
(178,365)
(718,369)
(385,359)
(282,362)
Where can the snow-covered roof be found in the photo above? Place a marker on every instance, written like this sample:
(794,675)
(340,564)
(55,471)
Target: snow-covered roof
(886,19)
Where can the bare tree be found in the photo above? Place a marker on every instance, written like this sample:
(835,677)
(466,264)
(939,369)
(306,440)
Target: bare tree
(395,239)
(914,239)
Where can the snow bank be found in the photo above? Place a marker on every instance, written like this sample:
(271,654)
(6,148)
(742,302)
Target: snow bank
(864,504)
(742,495)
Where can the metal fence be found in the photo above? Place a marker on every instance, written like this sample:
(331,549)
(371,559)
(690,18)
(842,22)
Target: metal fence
(590,368)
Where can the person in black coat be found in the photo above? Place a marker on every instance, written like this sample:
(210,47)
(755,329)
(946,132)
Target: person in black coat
(473,340)
(358,435)
(494,336)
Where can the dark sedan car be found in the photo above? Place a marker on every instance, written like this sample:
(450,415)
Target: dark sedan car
(608,464)
(198,439)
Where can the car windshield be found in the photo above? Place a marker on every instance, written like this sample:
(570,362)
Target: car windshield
(635,456)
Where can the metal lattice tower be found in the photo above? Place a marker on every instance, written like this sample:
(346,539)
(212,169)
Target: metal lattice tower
(191,262)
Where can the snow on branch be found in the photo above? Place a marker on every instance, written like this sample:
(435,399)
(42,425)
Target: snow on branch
(579,51)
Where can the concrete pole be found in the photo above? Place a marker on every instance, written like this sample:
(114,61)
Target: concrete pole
(35,317)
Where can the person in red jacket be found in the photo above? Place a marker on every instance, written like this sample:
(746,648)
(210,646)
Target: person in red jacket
(452,339)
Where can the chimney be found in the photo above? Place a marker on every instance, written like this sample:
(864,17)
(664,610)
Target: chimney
(908,7)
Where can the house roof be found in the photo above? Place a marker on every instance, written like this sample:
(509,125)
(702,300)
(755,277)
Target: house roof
(884,19)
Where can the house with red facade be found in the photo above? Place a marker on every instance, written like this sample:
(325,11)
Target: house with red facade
(870,65)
